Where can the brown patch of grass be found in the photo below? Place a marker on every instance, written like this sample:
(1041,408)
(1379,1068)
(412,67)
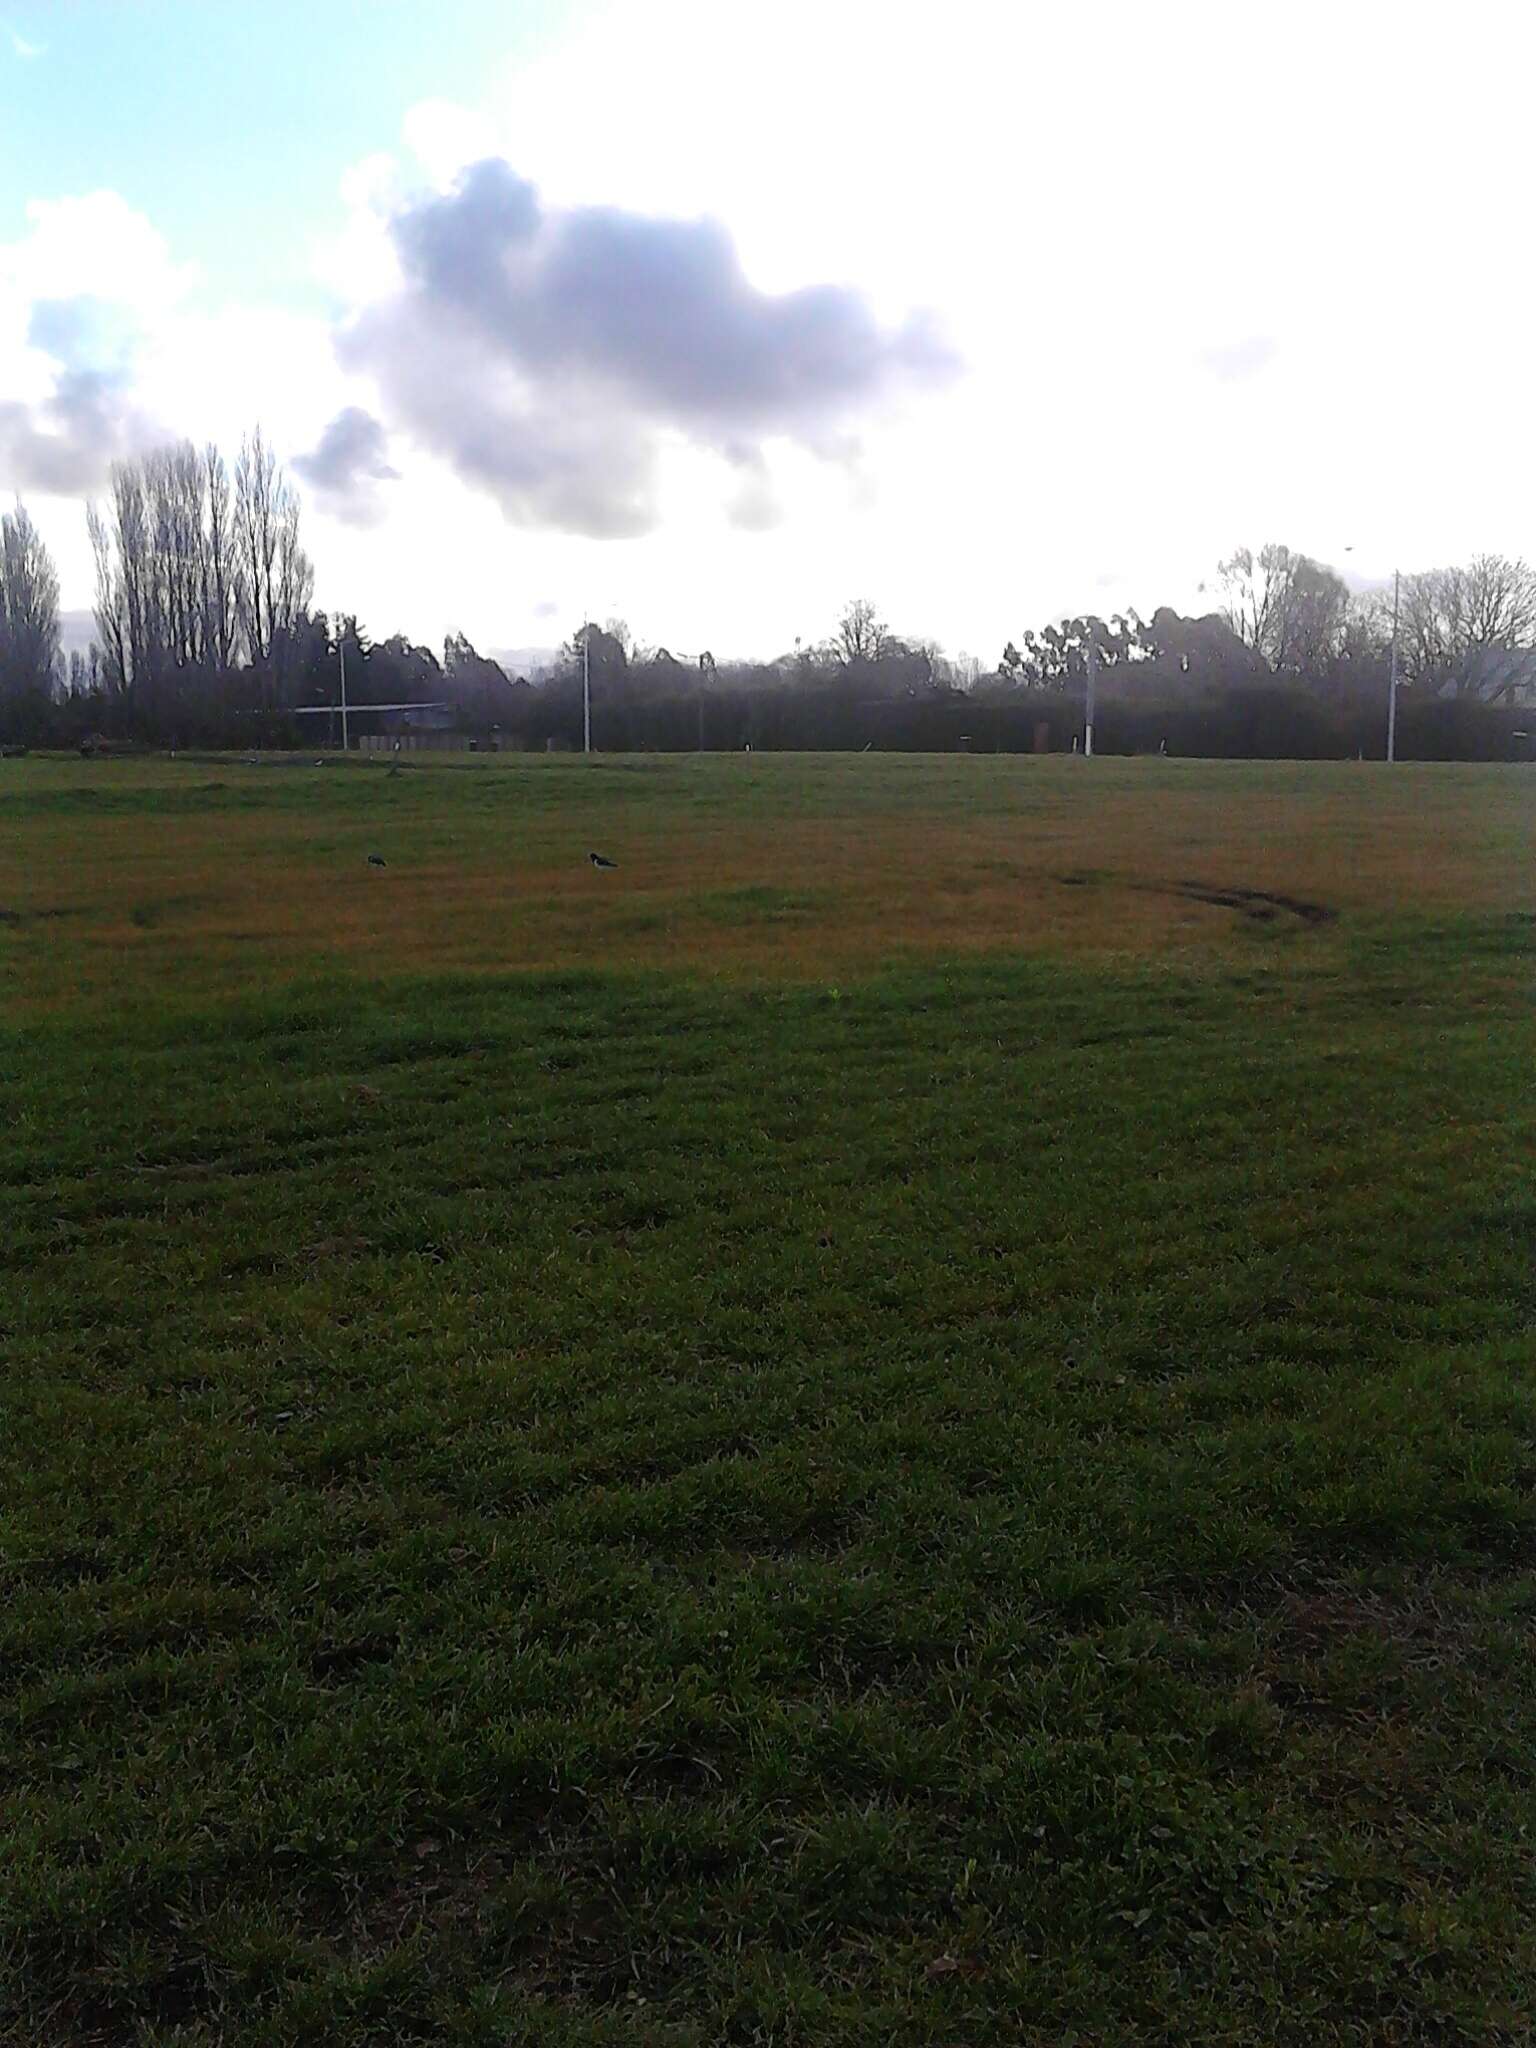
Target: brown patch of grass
(1426,1630)
(1337,1656)
(880,858)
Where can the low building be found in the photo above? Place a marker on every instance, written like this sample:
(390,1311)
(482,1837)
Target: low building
(1499,675)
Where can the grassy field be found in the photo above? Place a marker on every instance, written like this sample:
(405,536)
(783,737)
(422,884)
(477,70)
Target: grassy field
(910,1419)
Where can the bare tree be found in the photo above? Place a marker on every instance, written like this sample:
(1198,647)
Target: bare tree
(29,613)
(193,574)
(1315,620)
(862,634)
(1454,620)
(258,520)
(135,570)
(295,587)
(139,543)
(1499,599)
(276,578)
(174,493)
(84,673)
(1288,608)
(1253,585)
(111,600)
(221,577)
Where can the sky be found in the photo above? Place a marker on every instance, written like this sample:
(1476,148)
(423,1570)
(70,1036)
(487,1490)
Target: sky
(714,316)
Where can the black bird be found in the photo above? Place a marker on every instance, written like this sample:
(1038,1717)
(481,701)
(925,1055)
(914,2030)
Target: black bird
(598,861)
(377,860)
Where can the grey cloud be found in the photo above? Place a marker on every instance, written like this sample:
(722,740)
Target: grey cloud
(546,353)
(1234,360)
(551,456)
(68,441)
(753,508)
(346,465)
(453,245)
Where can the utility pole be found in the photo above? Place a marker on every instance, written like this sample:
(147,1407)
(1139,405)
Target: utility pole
(1088,721)
(1392,686)
(586,687)
(341,656)
(1397,584)
(706,671)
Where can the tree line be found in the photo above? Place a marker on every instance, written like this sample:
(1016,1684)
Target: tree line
(206,634)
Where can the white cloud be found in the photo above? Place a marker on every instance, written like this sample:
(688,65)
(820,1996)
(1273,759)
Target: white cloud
(23,49)
(107,346)
(356,261)
(445,139)
(96,243)
(546,352)
(1231,360)
(1215,273)
(75,293)
(1197,277)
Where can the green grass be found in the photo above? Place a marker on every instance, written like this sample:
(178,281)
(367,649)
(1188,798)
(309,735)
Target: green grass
(985,1499)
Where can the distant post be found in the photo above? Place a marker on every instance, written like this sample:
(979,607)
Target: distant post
(1088,720)
(341,656)
(586,688)
(1392,686)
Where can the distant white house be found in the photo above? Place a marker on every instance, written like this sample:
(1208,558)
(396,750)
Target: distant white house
(1498,675)
(416,717)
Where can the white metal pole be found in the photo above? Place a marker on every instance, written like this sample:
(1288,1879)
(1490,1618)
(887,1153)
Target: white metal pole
(586,688)
(1392,686)
(341,655)
(1088,721)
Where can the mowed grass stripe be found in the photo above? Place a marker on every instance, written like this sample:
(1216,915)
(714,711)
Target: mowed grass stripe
(989,1500)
